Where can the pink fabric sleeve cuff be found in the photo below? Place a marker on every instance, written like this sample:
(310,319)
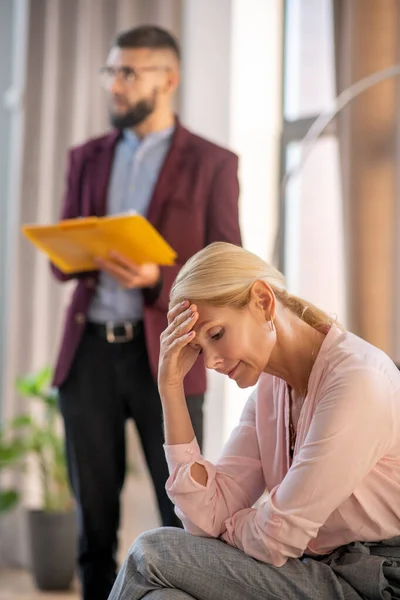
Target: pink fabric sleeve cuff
(180,454)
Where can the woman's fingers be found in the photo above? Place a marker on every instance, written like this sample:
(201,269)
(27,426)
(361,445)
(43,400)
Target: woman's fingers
(180,326)
(174,344)
(190,315)
(177,310)
(176,356)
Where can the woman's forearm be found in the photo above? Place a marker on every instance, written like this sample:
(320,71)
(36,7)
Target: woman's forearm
(178,426)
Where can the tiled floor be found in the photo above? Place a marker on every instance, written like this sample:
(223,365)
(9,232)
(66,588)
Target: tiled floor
(138,514)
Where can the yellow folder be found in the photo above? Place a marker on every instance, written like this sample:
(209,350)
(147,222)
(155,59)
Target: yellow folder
(73,244)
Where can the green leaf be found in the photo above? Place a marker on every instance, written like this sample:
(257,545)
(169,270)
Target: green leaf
(34,384)
(42,438)
(8,499)
(11,453)
(43,378)
(20,422)
(25,386)
(50,397)
(39,436)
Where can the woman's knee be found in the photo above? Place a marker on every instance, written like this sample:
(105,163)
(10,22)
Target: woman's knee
(155,549)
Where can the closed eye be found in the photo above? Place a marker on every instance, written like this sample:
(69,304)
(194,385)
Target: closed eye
(218,336)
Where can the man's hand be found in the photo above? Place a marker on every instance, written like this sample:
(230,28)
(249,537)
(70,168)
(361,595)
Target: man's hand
(127,273)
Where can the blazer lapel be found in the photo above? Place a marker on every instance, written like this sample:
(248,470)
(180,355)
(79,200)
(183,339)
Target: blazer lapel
(100,166)
(174,163)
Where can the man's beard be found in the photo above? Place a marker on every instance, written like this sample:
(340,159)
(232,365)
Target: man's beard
(134,115)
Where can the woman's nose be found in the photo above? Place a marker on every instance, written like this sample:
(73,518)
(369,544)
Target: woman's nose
(211,359)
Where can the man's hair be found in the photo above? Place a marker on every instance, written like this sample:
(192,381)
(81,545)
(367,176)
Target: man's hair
(148,36)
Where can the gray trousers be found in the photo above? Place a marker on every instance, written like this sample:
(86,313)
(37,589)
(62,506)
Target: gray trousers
(171,564)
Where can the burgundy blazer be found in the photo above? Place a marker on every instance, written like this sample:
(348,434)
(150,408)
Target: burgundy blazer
(194,203)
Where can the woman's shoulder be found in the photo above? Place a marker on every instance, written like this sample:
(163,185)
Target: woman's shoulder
(346,355)
(353,372)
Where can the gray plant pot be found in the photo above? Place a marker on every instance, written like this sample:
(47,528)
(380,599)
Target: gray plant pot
(53,548)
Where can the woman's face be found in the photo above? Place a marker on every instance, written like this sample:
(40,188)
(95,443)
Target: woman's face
(237,343)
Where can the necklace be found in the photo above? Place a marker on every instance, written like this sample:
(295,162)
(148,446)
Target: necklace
(292,430)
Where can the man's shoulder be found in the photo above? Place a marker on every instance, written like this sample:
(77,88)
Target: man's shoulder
(207,147)
(95,144)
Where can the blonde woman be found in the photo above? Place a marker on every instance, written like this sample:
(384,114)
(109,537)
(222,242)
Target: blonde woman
(321,431)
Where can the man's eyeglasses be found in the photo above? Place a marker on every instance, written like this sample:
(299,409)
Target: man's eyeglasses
(127,74)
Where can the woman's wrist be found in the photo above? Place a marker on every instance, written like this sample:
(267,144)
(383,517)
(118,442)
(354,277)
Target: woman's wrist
(171,392)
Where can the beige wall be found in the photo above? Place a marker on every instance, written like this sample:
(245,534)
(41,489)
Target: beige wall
(367,41)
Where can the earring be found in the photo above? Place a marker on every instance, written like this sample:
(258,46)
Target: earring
(271,325)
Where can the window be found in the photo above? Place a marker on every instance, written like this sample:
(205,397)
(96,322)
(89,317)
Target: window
(309,73)
(311,248)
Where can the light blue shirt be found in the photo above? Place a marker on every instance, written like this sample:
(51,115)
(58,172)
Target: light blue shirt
(135,170)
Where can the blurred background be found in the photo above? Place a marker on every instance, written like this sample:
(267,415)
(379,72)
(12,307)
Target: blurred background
(256,75)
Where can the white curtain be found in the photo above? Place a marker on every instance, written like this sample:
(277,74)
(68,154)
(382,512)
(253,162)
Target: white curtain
(63,104)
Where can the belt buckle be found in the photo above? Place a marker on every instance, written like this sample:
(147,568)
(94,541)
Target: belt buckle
(119,339)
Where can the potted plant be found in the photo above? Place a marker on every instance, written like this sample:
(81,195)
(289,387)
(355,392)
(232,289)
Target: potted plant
(52,529)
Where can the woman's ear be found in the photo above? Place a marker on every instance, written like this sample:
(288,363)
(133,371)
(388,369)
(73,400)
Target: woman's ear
(263,298)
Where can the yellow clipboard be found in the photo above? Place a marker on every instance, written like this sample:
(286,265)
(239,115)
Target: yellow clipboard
(73,244)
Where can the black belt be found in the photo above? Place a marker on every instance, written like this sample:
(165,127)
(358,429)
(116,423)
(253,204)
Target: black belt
(116,332)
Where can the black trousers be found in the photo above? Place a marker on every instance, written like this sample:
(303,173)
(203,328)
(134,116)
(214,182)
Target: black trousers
(108,384)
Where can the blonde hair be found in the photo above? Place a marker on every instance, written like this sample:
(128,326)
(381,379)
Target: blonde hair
(222,275)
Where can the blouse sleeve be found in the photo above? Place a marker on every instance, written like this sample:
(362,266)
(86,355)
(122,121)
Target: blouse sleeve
(234,483)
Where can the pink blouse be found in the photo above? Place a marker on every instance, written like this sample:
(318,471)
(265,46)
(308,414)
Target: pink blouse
(344,482)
